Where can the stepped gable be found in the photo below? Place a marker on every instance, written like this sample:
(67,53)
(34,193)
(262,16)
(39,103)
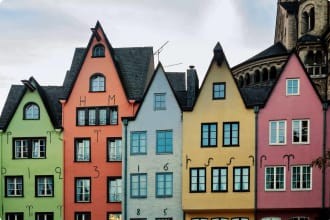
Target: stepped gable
(133,64)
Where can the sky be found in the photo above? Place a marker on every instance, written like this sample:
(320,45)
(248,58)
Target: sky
(38,37)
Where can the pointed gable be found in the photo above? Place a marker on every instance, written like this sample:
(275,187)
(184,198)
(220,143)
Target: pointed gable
(50,96)
(294,69)
(134,65)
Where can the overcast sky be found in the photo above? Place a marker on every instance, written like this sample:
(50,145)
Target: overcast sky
(38,37)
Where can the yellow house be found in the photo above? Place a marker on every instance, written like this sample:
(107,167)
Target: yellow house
(218,149)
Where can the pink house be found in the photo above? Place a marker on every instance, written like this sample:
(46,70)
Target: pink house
(290,137)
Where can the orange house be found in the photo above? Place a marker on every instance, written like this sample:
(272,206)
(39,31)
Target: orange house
(102,85)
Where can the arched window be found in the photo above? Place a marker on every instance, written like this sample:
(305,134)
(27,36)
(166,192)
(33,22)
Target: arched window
(256,76)
(240,81)
(97,83)
(31,111)
(308,19)
(311,19)
(304,22)
(265,75)
(247,79)
(98,51)
(272,73)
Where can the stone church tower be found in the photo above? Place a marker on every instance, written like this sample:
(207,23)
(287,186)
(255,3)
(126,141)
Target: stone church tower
(303,25)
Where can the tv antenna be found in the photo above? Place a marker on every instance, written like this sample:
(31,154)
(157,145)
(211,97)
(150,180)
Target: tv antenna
(157,52)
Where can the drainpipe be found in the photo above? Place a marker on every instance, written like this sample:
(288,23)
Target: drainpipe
(324,141)
(125,123)
(256,112)
(1,180)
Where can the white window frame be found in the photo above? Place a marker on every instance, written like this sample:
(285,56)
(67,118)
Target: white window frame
(277,141)
(300,133)
(301,178)
(274,176)
(115,189)
(45,186)
(287,85)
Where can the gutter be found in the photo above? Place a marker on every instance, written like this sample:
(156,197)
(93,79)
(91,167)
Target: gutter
(256,112)
(324,108)
(125,123)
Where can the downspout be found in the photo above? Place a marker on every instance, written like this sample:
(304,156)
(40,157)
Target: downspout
(1,180)
(324,141)
(125,123)
(256,112)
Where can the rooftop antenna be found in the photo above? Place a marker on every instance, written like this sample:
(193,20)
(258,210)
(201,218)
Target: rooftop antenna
(157,52)
(175,64)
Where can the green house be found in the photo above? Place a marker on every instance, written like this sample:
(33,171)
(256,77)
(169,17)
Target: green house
(31,153)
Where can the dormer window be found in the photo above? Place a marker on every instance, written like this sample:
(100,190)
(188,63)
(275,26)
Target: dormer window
(31,112)
(97,83)
(98,51)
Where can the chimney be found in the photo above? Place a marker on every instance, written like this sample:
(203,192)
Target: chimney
(192,86)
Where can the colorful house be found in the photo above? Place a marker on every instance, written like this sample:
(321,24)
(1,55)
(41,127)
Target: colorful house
(153,149)
(31,153)
(218,149)
(290,136)
(103,85)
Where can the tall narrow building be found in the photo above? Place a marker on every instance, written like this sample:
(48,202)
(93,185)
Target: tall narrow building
(218,149)
(103,85)
(31,150)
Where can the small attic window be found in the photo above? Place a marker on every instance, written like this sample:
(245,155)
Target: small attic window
(31,112)
(98,51)
(97,83)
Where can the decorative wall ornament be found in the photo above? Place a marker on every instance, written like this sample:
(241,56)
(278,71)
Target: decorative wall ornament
(208,162)
(288,156)
(262,157)
(252,158)
(230,160)
(187,161)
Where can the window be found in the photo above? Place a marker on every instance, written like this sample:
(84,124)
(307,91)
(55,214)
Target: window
(44,186)
(209,134)
(163,218)
(164,141)
(199,219)
(97,116)
(114,216)
(159,101)
(114,149)
(139,142)
(219,90)
(230,134)
(197,180)
(240,218)
(219,218)
(82,216)
(275,178)
(31,112)
(14,186)
(164,184)
(82,150)
(241,179)
(97,83)
(300,131)
(83,189)
(114,189)
(139,185)
(15,216)
(44,216)
(98,51)
(301,177)
(29,148)
(277,132)
(292,87)
(219,179)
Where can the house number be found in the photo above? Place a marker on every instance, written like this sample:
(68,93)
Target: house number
(138,212)
(165,167)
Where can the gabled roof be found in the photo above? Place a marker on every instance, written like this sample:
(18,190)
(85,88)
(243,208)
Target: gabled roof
(132,64)
(278,49)
(259,96)
(50,96)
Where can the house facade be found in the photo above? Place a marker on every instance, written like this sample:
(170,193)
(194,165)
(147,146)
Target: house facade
(218,149)
(153,150)
(100,89)
(291,131)
(31,153)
